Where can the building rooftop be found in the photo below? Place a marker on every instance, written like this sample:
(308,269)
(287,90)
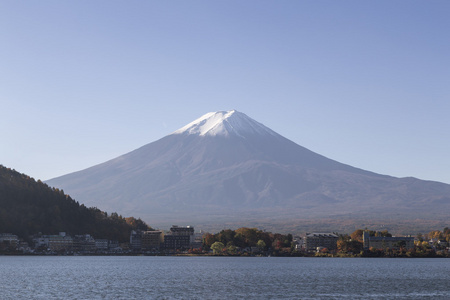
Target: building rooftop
(321,234)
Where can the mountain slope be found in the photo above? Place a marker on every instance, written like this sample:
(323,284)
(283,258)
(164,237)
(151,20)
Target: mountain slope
(28,207)
(226,166)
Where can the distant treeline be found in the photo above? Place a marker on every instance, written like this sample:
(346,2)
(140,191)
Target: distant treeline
(28,207)
(244,237)
(232,242)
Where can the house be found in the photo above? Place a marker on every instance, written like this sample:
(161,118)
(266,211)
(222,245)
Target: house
(197,240)
(443,243)
(383,242)
(151,240)
(315,240)
(298,242)
(84,243)
(8,240)
(136,240)
(101,244)
(57,242)
(179,237)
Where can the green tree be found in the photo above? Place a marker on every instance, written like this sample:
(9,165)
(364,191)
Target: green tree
(217,247)
(261,245)
(231,248)
(249,236)
(226,236)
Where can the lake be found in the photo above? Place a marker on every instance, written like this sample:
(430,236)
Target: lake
(148,277)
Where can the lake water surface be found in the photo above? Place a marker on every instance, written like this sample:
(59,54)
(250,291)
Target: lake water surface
(146,277)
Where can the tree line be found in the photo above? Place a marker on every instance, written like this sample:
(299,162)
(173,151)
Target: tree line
(228,241)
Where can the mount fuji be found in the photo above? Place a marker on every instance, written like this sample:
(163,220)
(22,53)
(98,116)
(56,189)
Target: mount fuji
(226,168)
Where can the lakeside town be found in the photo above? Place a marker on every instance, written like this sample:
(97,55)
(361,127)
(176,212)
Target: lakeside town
(183,240)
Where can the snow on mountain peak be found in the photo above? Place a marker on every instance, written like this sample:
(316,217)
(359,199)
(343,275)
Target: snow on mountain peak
(224,123)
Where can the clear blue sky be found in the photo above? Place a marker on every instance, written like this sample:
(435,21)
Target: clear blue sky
(366,83)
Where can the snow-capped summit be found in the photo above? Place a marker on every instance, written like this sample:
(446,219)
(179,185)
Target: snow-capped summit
(224,123)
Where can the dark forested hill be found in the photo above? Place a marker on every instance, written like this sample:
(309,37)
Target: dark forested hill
(28,207)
